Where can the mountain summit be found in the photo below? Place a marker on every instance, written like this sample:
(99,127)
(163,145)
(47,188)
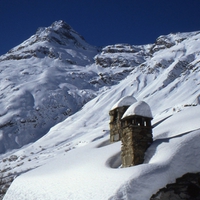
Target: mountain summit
(56,41)
(61,33)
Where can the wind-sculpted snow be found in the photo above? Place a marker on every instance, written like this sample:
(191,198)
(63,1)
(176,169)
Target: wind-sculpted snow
(95,167)
(74,160)
(35,96)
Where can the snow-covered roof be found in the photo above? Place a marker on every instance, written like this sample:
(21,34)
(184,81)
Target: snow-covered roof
(140,108)
(125,101)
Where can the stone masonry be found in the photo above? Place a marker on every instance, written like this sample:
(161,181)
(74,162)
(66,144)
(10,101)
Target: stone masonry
(115,123)
(131,123)
(135,141)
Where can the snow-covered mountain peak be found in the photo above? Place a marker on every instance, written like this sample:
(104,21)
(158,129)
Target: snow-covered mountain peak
(61,25)
(60,33)
(56,41)
(42,75)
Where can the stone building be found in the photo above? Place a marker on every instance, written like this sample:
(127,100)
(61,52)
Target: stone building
(136,133)
(130,122)
(116,114)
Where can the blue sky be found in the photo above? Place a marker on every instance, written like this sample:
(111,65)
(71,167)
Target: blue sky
(100,22)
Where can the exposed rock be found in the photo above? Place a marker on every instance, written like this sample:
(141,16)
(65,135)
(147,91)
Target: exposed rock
(122,55)
(5,182)
(186,188)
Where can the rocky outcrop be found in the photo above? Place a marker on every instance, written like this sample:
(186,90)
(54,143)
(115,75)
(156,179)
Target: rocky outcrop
(121,55)
(187,187)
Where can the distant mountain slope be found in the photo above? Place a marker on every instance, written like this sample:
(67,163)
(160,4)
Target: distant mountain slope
(43,80)
(47,78)
(164,74)
(168,81)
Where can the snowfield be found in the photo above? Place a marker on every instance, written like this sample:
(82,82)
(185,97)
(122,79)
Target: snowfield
(93,171)
(75,160)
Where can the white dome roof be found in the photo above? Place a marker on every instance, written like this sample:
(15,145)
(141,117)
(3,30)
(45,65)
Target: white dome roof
(140,108)
(125,101)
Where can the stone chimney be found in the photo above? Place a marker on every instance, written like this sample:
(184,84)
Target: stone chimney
(116,114)
(136,133)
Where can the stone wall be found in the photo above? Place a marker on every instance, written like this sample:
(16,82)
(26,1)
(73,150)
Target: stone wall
(135,141)
(115,123)
(186,188)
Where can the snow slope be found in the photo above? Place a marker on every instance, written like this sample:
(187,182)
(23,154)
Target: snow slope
(74,160)
(47,78)
(92,171)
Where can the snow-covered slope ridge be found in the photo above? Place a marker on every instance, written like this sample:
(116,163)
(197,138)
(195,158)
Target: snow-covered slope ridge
(76,155)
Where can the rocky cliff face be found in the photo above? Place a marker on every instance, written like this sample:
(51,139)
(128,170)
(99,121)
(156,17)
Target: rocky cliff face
(186,187)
